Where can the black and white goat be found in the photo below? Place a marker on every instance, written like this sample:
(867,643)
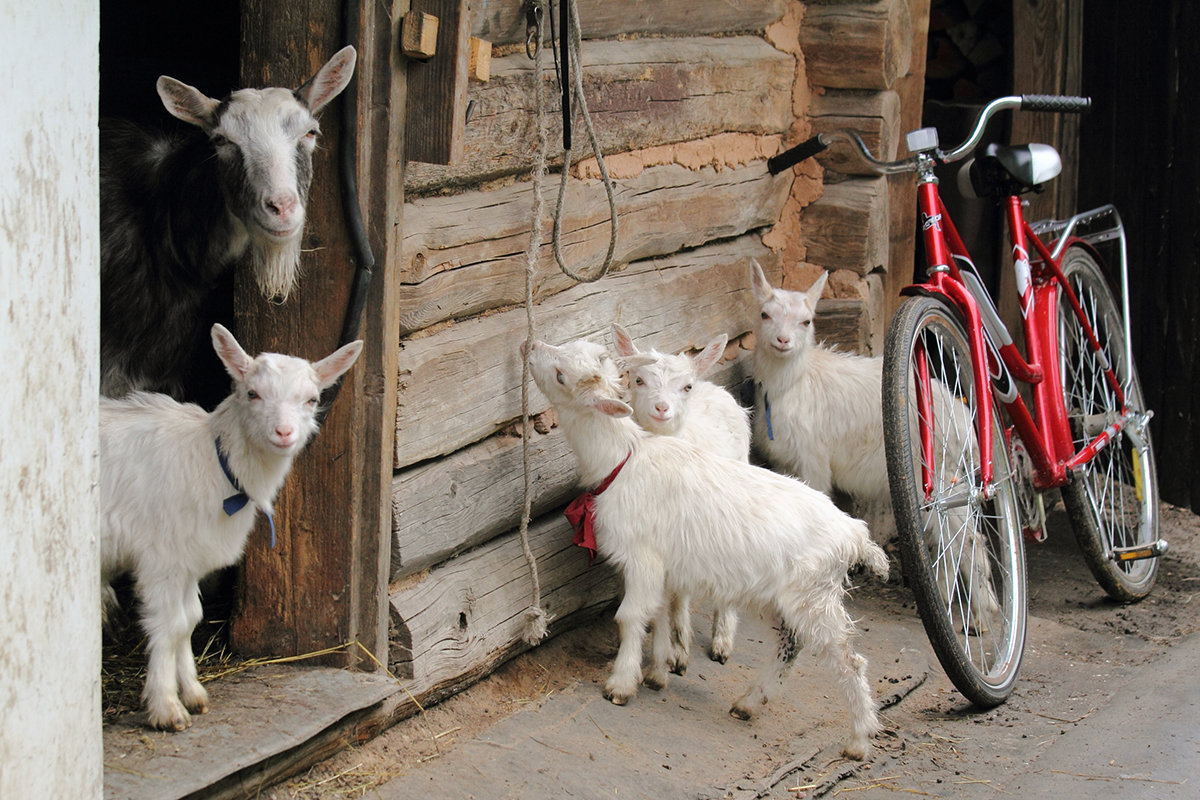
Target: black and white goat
(178,212)
(674,517)
(179,489)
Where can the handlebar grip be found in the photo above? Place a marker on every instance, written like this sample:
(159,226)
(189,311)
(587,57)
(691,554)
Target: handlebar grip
(1054,102)
(794,155)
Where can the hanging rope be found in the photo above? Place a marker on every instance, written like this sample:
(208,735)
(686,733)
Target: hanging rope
(536,618)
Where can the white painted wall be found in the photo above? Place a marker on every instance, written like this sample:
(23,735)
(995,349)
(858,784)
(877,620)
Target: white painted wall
(50,728)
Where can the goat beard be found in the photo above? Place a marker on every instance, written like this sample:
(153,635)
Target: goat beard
(276,267)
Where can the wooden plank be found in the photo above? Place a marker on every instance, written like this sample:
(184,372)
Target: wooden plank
(465,617)
(847,228)
(640,93)
(875,116)
(436,115)
(467,251)
(504,23)
(902,195)
(461,383)
(446,506)
(321,585)
(857,46)
(265,723)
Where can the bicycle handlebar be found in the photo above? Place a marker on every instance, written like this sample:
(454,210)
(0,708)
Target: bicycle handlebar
(1062,104)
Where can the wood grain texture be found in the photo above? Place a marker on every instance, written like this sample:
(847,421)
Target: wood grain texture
(465,616)
(857,45)
(461,383)
(847,228)
(875,116)
(504,22)
(436,115)
(640,93)
(466,252)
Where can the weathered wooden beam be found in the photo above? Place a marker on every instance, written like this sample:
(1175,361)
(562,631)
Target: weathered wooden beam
(874,115)
(504,23)
(436,113)
(466,252)
(323,583)
(462,619)
(640,94)
(847,228)
(462,383)
(857,45)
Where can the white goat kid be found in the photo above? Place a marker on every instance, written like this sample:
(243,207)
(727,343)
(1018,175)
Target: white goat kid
(178,493)
(818,415)
(817,411)
(735,532)
(670,397)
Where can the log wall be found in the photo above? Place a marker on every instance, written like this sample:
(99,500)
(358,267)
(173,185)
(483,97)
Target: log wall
(686,119)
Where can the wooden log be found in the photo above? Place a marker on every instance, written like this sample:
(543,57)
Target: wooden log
(446,506)
(466,252)
(857,46)
(461,383)
(465,617)
(418,35)
(504,23)
(875,116)
(847,228)
(640,94)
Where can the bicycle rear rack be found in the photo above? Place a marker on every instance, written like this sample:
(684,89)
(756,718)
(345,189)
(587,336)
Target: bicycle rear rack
(1085,226)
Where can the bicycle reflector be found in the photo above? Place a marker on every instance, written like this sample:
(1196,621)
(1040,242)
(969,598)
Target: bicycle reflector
(922,140)
(1138,552)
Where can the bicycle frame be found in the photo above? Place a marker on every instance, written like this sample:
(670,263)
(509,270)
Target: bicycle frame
(994,356)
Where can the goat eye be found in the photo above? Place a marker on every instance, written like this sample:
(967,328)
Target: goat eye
(312,134)
(218,140)
(251,394)
(807,322)
(312,401)
(687,388)
(765,315)
(561,378)
(639,381)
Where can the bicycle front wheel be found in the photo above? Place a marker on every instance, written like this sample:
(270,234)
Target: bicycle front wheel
(960,541)
(1112,500)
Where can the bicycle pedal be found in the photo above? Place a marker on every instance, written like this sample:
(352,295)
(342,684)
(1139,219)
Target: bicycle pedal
(1137,552)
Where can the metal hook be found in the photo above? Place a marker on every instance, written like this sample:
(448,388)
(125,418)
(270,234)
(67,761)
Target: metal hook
(533,28)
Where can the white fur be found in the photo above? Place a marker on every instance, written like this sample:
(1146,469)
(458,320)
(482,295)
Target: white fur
(670,397)
(738,533)
(162,488)
(826,417)
(827,423)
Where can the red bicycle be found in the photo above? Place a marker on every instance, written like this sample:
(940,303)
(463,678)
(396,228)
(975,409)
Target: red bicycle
(966,479)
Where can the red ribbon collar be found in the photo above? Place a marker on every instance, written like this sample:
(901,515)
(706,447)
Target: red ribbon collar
(581,512)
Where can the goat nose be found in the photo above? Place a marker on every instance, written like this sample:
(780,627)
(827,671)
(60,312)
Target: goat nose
(662,408)
(284,431)
(784,341)
(281,204)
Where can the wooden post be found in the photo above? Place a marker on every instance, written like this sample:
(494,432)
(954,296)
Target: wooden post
(437,88)
(325,582)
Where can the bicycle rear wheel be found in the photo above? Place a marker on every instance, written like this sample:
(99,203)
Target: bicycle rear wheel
(1113,499)
(960,546)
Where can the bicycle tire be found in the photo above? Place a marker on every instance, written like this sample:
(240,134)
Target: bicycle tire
(1112,501)
(963,555)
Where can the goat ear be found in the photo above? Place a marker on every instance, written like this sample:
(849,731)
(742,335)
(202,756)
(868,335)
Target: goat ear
(236,360)
(814,292)
(330,79)
(187,102)
(763,291)
(333,366)
(637,360)
(710,355)
(624,343)
(610,406)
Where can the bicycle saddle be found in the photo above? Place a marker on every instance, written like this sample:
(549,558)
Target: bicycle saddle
(1001,170)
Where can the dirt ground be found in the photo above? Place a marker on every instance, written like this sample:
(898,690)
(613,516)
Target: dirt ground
(1081,648)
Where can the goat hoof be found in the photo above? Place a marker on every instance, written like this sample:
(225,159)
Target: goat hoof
(718,656)
(679,668)
(616,698)
(856,750)
(655,682)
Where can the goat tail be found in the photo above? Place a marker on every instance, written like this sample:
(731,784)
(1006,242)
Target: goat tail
(870,554)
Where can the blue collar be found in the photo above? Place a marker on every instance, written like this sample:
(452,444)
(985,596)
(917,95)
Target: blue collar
(766,407)
(236,502)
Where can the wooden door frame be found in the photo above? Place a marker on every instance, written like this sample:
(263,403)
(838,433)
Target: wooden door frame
(324,585)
